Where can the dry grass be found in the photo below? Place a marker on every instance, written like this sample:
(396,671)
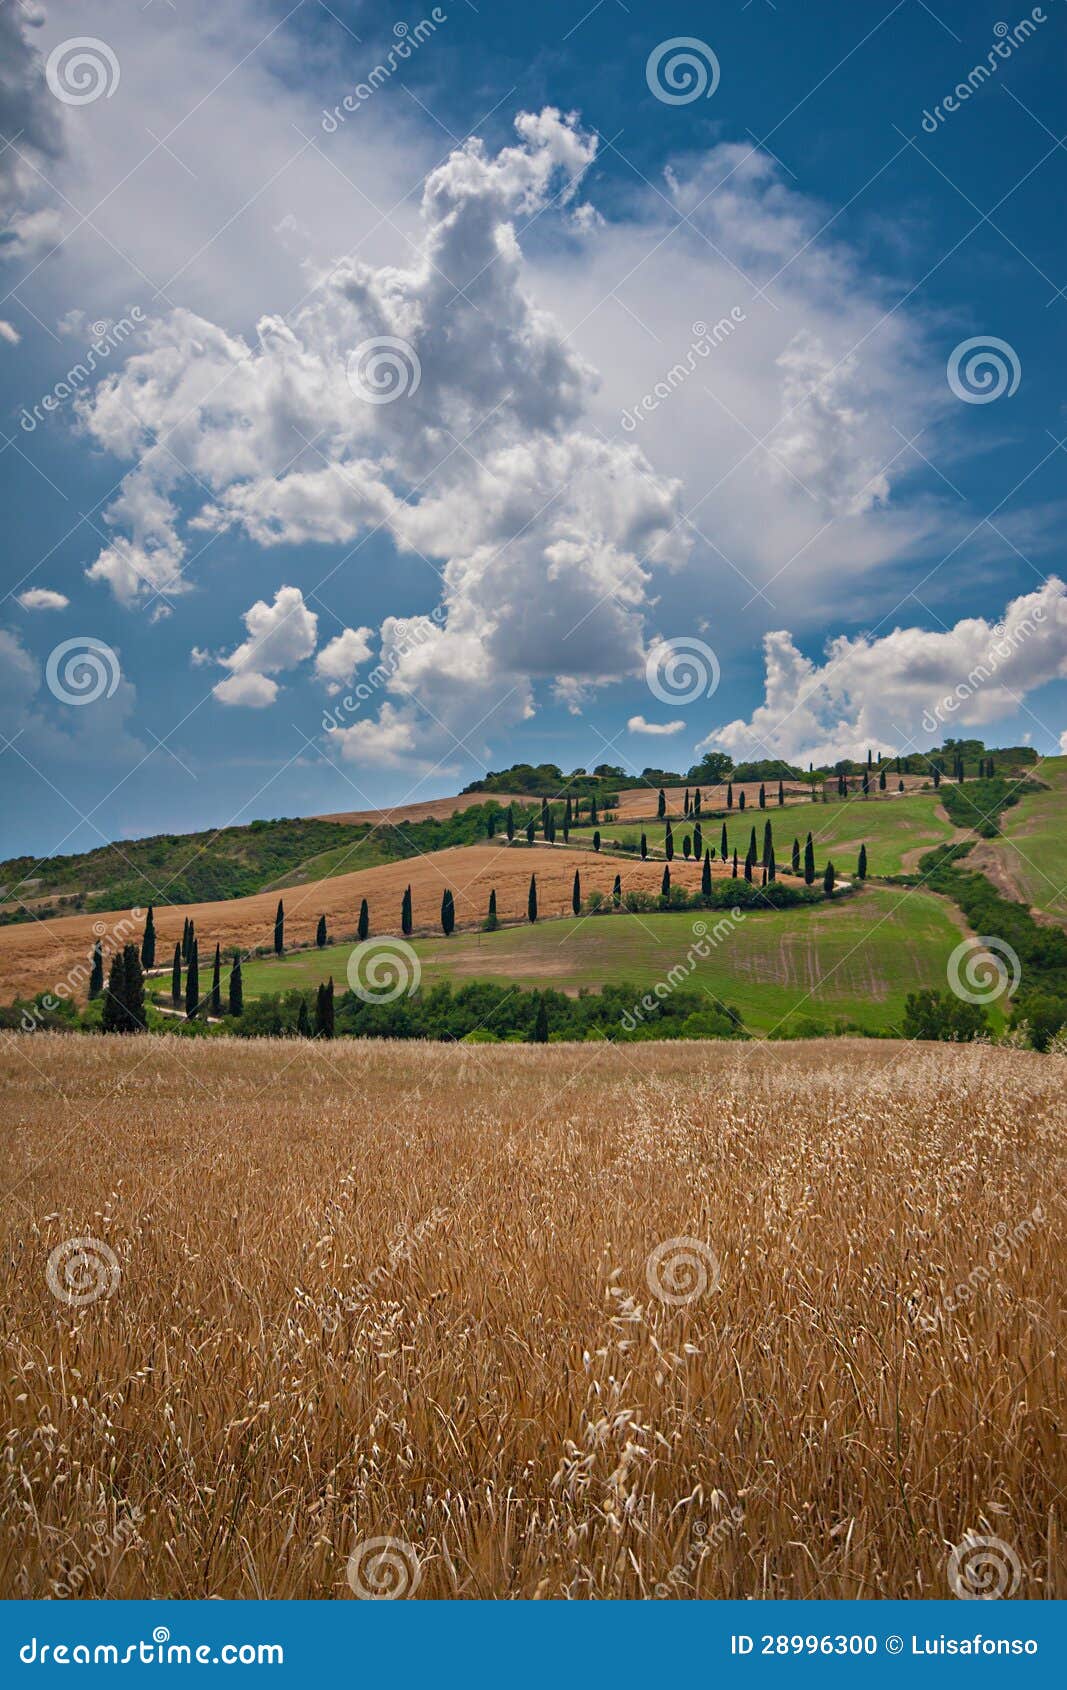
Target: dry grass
(502,1390)
(34,955)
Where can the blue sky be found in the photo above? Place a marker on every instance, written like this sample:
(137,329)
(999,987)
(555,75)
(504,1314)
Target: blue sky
(576,478)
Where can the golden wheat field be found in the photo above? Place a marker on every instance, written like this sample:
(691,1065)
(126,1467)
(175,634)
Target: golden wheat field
(567,1321)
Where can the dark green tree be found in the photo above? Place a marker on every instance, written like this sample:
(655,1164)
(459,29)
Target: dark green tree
(576,894)
(324,1011)
(724,845)
(490,826)
(531,899)
(770,866)
(729,794)
(881,780)
(828,880)
(113,1012)
(616,891)
(698,840)
(491,922)
(148,943)
(644,847)
(750,859)
(665,883)
(320,932)
(741,799)
(186,938)
(696,802)
(509,824)
(303,1020)
(794,861)
(540,1030)
(809,862)
(568,817)
(405,913)
(705,876)
(861,867)
(133,990)
(768,843)
(236,1003)
(192,982)
(661,804)
(448,912)
(96,971)
(176,977)
(596,840)
(593,816)
(685,804)
(363,925)
(530,830)
(735,863)
(216,983)
(279,929)
(781,794)
(668,842)
(687,846)
(762,796)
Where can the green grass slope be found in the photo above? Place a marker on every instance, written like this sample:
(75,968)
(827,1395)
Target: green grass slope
(890,826)
(1033,842)
(854,960)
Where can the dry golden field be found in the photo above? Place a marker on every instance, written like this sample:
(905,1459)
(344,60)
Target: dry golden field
(34,955)
(437,1295)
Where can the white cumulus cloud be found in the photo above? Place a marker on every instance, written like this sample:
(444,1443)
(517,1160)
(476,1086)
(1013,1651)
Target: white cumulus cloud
(638,725)
(42,598)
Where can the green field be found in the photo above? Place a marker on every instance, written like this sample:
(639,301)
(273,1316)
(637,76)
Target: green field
(855,959)
(1034,843)
(889,826)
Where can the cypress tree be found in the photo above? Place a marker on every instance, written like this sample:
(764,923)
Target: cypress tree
(148,943)
(320,932)
(729,794)
(900,786)
(750,858)
(771,866)
(113,1014)
(937,777)
(448,912)
(509,824)
(192,982)
(762,796)
(236,1004)
(363,925)
(576,894)
(567,819)
(687,846)
(546,819)
(668,842)
(279,929)
(665,883)
(724,845)
(661,804)
(96,972)
(176,977)
(809,861)
(881,780)
(828,880)
(491,922)
(616,891)
(768,842)
(303,1024)
(531,899)
(324,1011)
(644,847)
(696,802)
(596,840)
(216,983)
(685,806)
(752,849)
(185,939)
(795,859)
(735,863)
(741,799)
(705,876)
(530,830)
(132,990)
(405,913)
(698,840)
(540,1031)
(866,783)
(781,794)
(593,817)
(490,826)
(861,867)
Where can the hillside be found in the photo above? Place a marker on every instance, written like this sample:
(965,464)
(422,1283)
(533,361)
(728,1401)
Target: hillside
(1029,859)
